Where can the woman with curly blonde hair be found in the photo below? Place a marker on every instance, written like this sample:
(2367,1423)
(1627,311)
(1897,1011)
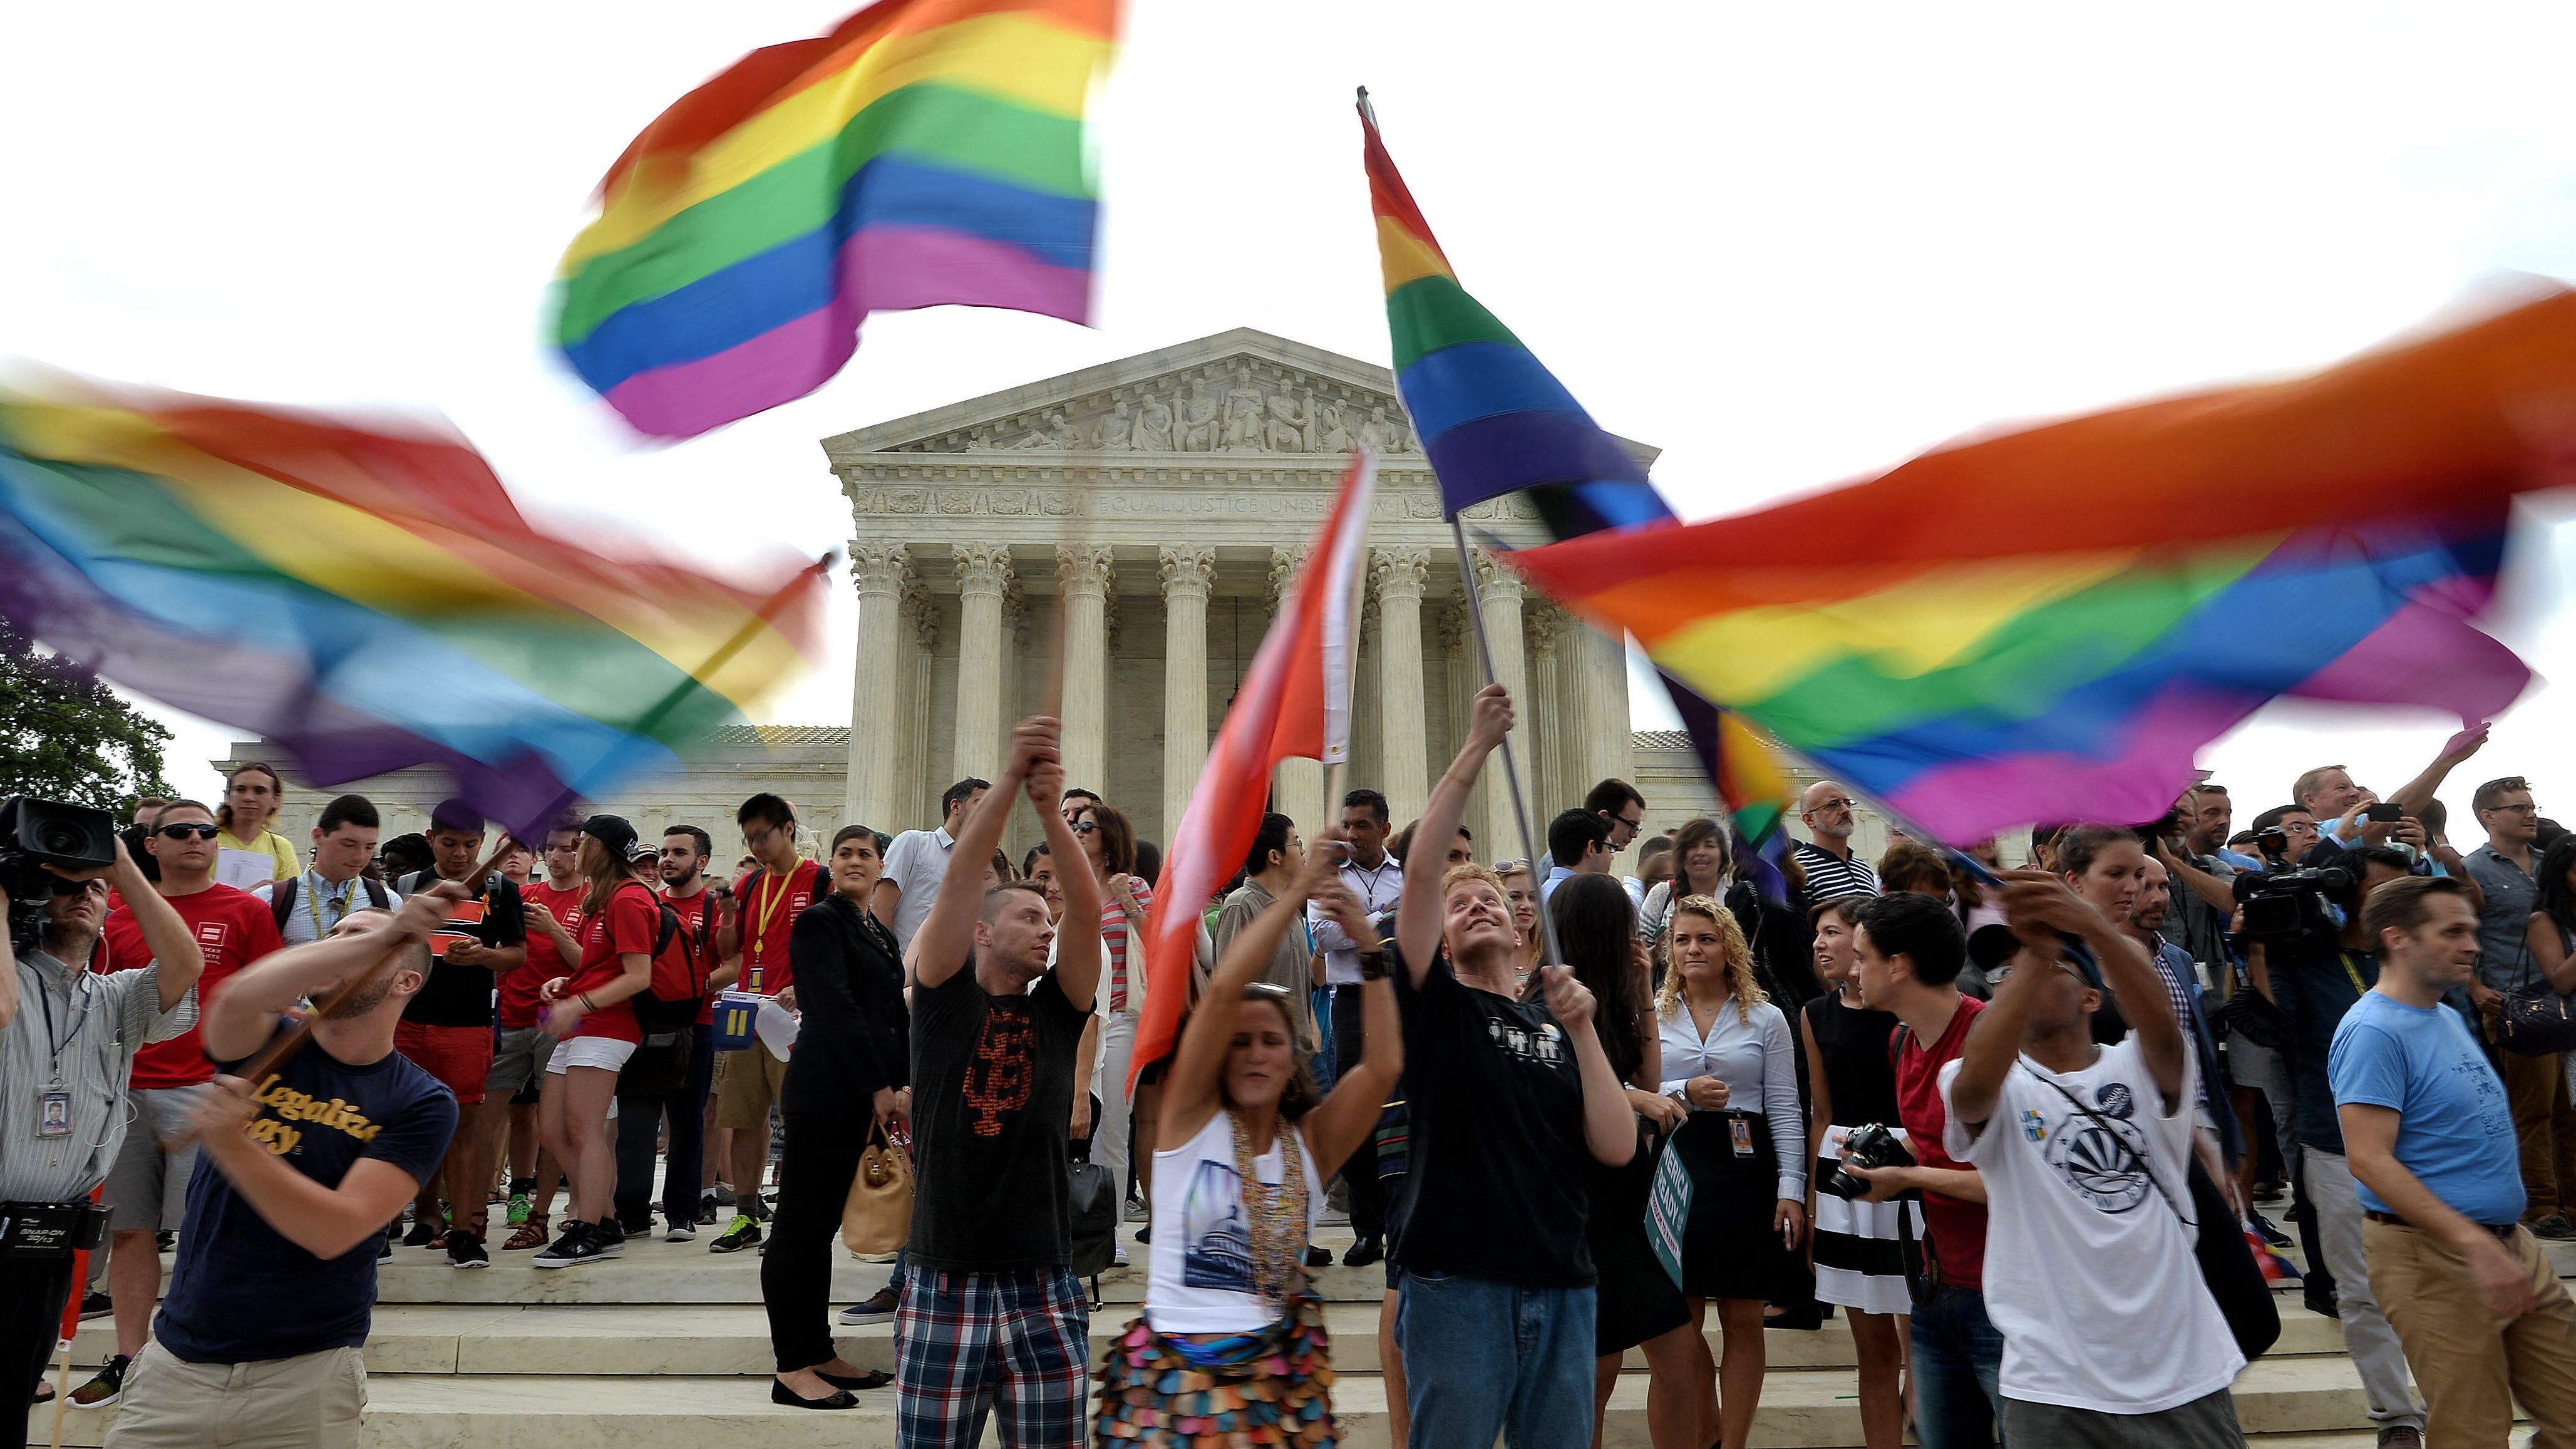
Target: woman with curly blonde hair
(1727,1056)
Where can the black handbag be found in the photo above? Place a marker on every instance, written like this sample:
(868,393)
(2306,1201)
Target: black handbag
(2227,1266)
(2535,1021)
(658,1066)
(2251,1015)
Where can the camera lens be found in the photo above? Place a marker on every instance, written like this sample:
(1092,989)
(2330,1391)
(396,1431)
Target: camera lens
(61,837)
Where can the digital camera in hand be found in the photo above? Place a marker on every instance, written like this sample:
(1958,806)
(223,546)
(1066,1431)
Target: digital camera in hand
(1869,1146)
(37,833)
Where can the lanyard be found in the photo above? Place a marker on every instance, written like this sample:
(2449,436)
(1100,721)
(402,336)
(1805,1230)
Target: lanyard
(2346,958)
(45,999)
(313,908)
(1367,883)
(763,916)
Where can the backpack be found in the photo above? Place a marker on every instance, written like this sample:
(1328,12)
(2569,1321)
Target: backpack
(679,984)
(281,898)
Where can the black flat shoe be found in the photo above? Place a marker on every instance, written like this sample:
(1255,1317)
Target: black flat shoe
(781,1394)
(872,1379)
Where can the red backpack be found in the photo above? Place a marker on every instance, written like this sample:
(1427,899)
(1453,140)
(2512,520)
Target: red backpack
(679,984)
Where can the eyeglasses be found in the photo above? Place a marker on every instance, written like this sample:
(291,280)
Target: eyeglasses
(1836,803)
(2525,808)
(1635,822)
(182,832)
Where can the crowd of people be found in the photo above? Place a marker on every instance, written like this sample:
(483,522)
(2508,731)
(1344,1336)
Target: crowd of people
(1749,1091)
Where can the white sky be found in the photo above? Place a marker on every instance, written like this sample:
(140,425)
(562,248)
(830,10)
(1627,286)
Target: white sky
(1787,244)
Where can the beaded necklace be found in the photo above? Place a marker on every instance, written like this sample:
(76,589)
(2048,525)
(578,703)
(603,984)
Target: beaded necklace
(1277,1215)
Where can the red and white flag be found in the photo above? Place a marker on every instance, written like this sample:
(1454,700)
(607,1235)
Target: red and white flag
(1295,703)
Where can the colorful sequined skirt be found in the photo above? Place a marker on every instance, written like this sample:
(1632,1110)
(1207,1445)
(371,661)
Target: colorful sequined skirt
(1274,1387)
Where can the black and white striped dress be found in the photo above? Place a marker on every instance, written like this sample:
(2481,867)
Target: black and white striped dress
(1857,1263)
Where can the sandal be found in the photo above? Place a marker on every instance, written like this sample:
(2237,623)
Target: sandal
(531,1234)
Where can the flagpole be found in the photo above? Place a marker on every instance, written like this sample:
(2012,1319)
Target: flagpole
(1511,773)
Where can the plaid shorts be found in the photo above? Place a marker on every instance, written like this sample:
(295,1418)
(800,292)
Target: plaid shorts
(965,1340)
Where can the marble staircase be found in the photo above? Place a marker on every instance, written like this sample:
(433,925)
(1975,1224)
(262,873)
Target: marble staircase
(668,1348)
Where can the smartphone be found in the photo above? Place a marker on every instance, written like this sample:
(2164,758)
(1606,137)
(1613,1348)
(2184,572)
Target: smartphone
(2387,811)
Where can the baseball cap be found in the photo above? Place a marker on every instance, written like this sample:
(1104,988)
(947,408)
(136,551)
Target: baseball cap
(613,832)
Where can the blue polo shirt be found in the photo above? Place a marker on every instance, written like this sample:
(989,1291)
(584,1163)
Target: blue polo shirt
(2454,1126)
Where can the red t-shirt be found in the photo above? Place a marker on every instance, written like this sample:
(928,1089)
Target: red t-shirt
(545,963)
(626,928)
(233,928)
(1957,1229)
(768,909)
(691,909)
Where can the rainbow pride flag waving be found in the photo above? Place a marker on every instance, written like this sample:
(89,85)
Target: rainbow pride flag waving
(369,598)
(925,152)
(2048,624)
(1493,420)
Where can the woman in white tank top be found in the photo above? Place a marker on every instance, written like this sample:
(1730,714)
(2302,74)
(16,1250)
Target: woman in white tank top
(1235,1203)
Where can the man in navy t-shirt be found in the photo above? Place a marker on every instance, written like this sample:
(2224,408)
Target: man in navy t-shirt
(2430,1134)
(259,1335)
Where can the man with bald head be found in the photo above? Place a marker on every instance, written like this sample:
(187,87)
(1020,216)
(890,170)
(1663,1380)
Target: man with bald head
(1826,856)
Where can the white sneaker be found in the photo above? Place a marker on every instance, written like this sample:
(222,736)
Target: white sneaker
(1118,1256)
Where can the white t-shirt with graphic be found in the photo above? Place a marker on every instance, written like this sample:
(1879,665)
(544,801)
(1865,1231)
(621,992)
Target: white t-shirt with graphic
(2090,1276)
(1200,1276)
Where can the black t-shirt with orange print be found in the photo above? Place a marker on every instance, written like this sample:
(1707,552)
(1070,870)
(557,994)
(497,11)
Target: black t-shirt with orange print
(992,1093)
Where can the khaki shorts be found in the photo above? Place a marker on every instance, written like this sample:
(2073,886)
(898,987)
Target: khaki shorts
(519,1059)
(747,1084)
(147,1189)
(310,1401)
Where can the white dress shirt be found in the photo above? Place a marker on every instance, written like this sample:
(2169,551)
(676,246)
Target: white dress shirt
(1377,887)
(1753,1058)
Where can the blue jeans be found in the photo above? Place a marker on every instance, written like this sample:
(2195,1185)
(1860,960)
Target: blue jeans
(1957,1355)
(1484,1357)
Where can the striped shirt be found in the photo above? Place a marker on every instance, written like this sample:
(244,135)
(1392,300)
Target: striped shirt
(1113,942)
(1829,875)
(100,1021)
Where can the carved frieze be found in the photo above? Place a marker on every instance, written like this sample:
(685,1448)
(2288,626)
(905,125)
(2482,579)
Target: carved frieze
(1241,405)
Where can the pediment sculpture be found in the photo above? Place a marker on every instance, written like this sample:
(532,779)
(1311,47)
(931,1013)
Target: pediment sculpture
(1242,405)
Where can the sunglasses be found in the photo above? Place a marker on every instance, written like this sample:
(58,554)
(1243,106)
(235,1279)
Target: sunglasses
(1087,827)
(182,832)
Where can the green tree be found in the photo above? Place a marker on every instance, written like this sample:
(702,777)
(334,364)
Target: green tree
(64,735)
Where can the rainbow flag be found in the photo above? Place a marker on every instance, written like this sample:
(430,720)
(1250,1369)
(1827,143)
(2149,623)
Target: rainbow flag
(924,153)
(2048,624)
(369,598)
(1492,419)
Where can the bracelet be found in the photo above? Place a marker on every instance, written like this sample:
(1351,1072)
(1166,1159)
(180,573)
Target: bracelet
(586,1003)
(1373,964)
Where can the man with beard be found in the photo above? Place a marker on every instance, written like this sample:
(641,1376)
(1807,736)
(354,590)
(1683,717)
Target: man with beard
(258,1340)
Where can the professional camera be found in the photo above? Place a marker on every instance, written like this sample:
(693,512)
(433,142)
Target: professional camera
(2286,905)
(1868,1146)
(37,833)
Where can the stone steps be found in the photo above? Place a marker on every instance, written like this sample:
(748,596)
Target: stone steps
(495,1411)
(619,1340)
(667,1348)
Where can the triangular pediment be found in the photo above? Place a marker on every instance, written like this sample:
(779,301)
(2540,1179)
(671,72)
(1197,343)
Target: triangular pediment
(1240,394)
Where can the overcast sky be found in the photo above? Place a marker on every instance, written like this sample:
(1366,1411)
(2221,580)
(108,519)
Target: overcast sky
(1789,245)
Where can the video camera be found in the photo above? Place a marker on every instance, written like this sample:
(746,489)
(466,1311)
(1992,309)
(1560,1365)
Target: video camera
(2282,904)
(37,833)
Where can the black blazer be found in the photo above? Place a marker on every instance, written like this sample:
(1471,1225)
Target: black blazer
(857,1033)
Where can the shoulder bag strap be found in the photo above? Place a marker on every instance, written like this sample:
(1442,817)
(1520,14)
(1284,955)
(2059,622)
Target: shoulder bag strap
(2098,1120)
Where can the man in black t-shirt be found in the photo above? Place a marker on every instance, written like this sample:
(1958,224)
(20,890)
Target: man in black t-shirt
(447,1028)
(990,1310)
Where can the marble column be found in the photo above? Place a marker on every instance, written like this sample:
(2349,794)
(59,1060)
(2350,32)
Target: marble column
(1599,664)
(983,575)
(919,644)
(1084,575)
(1500,589)
(1187,571)
(876,687)
(1548,731)
(1299,789)
(1398,574)
(1464,676)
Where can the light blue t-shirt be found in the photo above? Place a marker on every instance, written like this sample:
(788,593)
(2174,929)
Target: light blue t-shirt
(2454,1127)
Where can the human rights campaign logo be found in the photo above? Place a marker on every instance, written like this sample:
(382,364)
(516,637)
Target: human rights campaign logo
(2098,1157)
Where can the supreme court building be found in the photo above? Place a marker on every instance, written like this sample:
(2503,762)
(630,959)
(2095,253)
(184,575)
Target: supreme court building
(1152,510)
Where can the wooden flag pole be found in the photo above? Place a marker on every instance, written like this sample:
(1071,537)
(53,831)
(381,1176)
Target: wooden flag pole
(1520,810)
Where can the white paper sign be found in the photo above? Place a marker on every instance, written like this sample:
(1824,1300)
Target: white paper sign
(244,869)
(776,1027)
